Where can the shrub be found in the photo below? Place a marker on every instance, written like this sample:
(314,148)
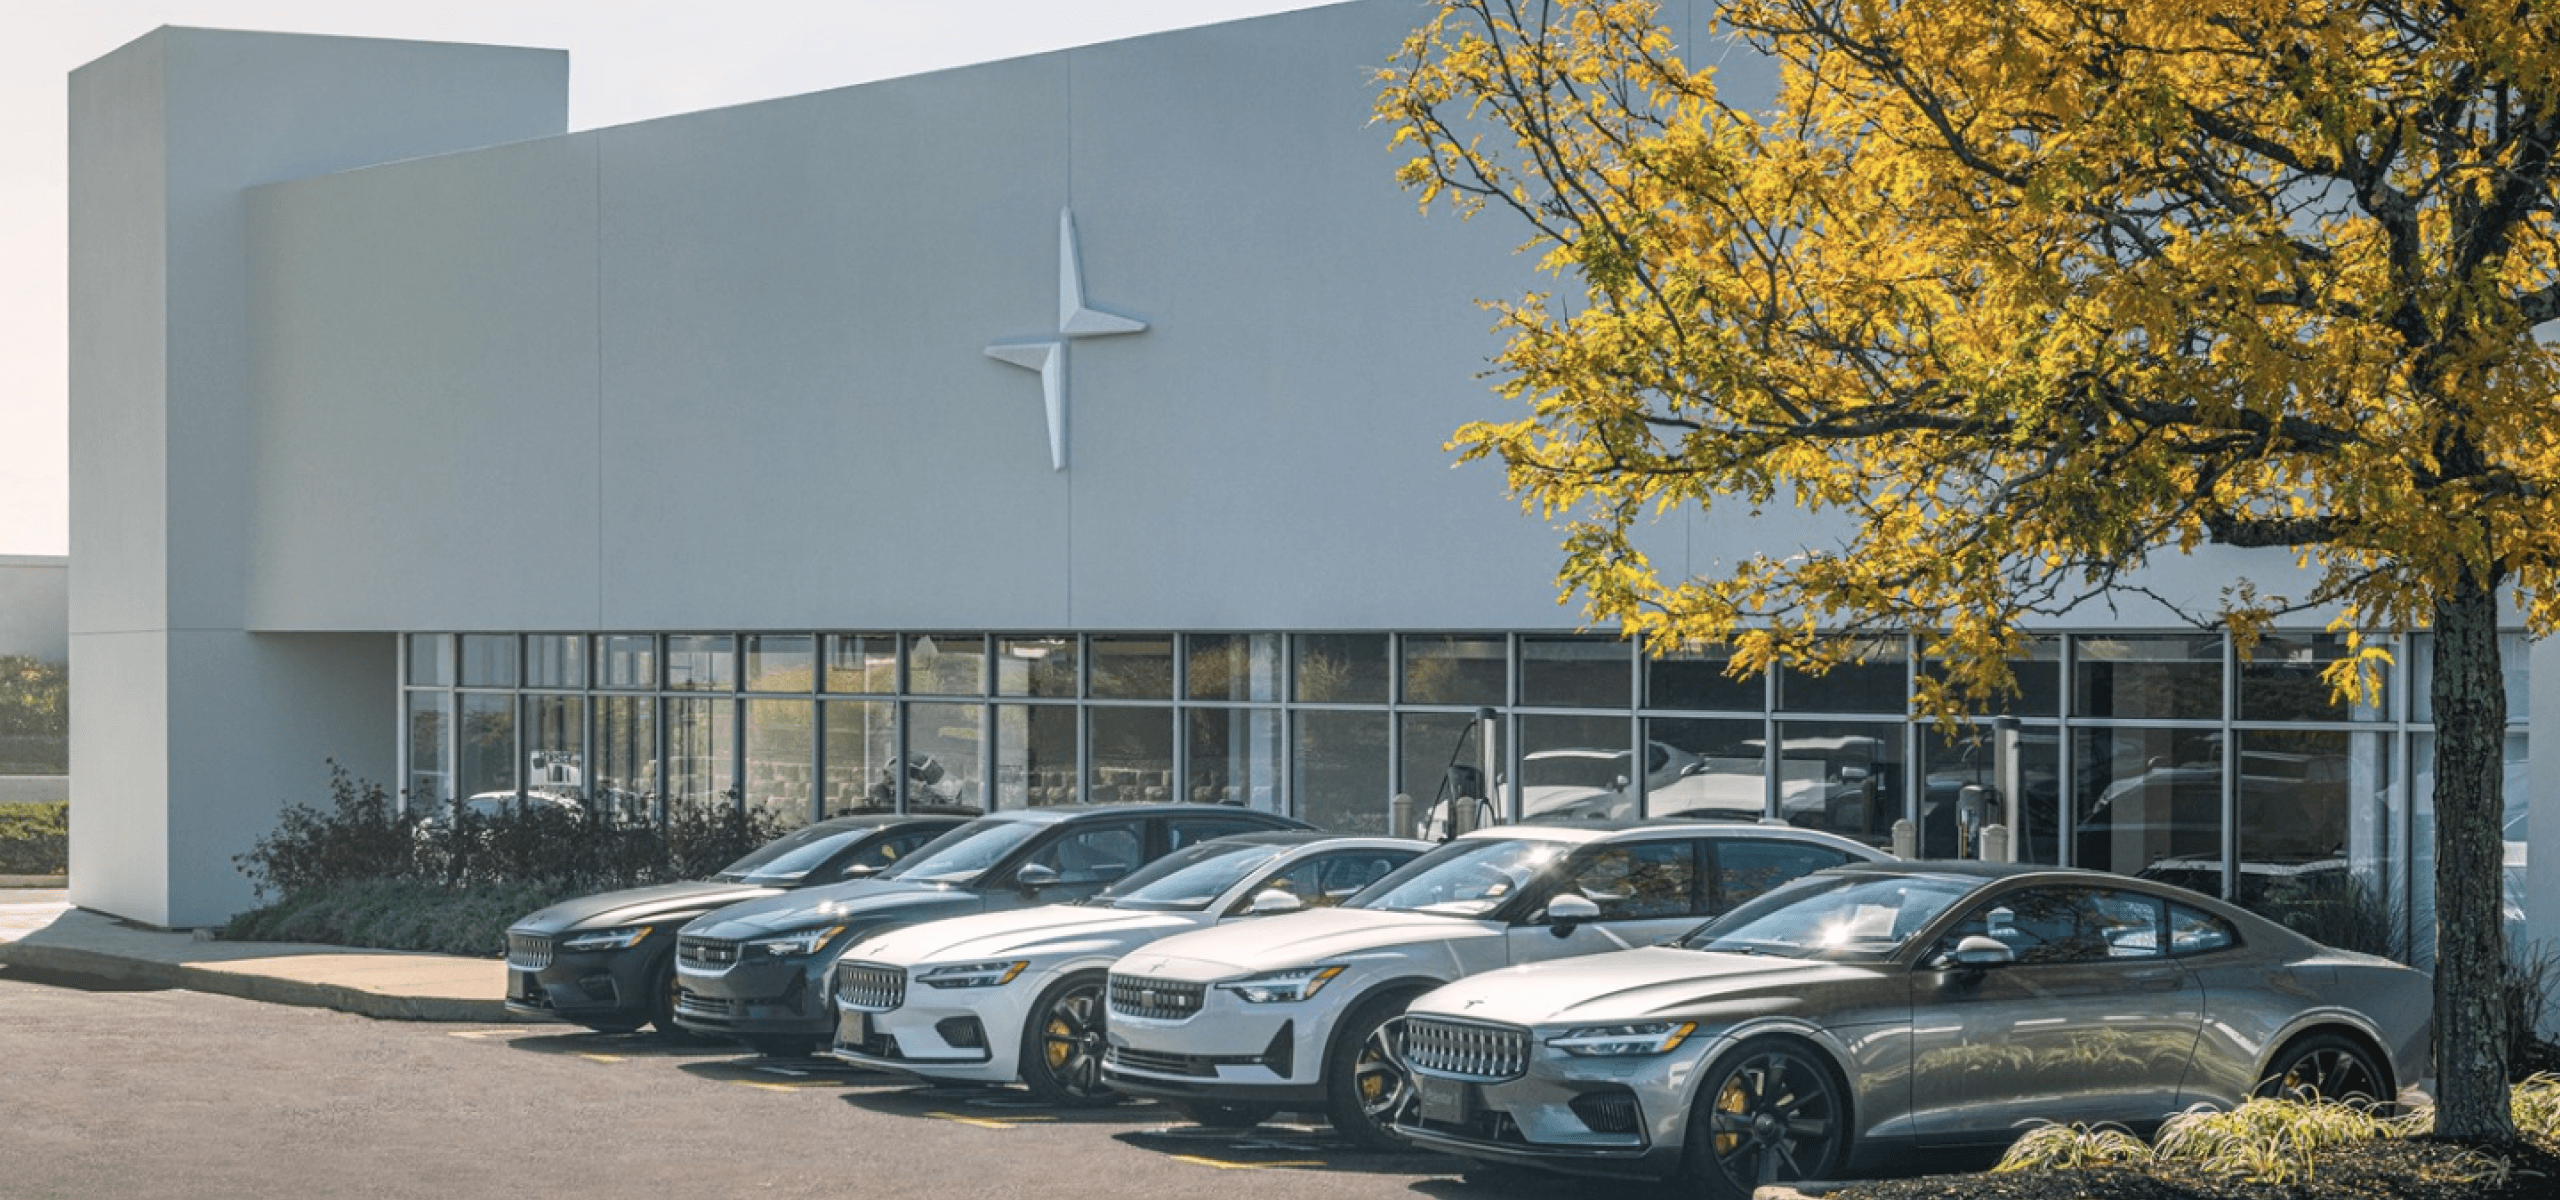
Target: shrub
(35,716)
(35,839)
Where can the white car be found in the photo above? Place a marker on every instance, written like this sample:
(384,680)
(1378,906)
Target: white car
(997,997)
(1239,1021)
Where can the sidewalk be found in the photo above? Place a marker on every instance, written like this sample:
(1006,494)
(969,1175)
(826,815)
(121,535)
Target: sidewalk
(40,929)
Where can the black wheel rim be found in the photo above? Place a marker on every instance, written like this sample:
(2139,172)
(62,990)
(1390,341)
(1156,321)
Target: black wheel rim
(1378,1082)
(1774,1117)
(2329,1073)
(1071,1042)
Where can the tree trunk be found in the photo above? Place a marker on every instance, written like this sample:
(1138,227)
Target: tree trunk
(2469,693)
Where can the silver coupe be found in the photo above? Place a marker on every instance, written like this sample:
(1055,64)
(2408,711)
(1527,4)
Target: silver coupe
(1881,1007)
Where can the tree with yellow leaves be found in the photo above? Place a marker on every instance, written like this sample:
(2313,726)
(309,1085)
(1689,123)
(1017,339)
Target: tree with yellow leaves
(2031,293)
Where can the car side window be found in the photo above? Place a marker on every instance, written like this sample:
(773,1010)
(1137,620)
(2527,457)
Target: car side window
(2194,931)
(1329,880)
(1747,867)
(1644,879)
(1188,831)
(2065,925)
(1095,853)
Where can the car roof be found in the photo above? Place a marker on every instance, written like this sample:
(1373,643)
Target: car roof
(1584,832)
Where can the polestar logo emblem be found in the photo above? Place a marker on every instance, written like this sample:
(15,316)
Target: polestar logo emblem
(1473,1003)
(1076,319)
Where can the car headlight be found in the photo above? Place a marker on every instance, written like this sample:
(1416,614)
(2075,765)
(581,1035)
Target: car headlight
(1282,987)
(1622,1041)
(793,945)
(973,975)
(606,939)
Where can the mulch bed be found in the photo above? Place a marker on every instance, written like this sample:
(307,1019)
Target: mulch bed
(2415,1169)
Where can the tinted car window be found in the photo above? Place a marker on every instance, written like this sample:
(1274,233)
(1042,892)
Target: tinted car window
(1329,880)
(791,855)
(964,853)
(2059,925)
(1187,880)
(1746,868)
(1645,879)
(2193,931)
(1095,853)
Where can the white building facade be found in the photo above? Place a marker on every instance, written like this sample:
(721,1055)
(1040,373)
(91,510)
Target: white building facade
(1064,428)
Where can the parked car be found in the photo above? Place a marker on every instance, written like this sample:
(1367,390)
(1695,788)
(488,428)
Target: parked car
(998,997)
(760,972)
(1868,1010)
(1238,1021)
(607,961)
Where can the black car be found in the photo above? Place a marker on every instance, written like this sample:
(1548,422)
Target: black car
(607,961)
(759,971)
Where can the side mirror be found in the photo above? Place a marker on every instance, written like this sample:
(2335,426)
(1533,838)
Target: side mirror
(860,870)
(1035,876)
(1976,952)
(1272,900)
(1569,910)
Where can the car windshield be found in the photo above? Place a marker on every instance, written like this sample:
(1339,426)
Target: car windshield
(1466,878)
(794,854)
(1187,880)
(964,853)
(1851,915)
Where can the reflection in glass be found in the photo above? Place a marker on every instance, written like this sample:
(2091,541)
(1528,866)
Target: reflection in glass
(860,662)
(1841,776)
(1696,678)
(2281,681)
(781,748)
(944,755)
(862,745)
(947,664)
(2039,677)
(2514,829)
(1970,757)
(489,660)
(2148,802)
(1341,668)
(1232,666)
(1133,668)
(1443,758)
(1131,759)
(1877,679)
(430,722)
(1579,769)
(2514,660)
(1576,672)
(702,663)
(781,662)
(1235,756)
(555,660)
(1036,666)
(698,749)
(2315,836)
(1035,755)
(1455,669)
(430,660)
(1715,768)
(627,757)
(555,744)
(1340,772)
(486,755)
(626,660)
(2171,677)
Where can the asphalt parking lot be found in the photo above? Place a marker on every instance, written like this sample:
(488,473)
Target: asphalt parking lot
(143,1093)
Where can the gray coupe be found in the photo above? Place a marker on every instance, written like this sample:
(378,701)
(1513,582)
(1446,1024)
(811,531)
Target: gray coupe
(1880,1007)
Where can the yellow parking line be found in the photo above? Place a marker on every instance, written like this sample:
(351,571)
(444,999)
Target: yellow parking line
(1196,1160)
(476,1033)
(986,1122)
(602,1058)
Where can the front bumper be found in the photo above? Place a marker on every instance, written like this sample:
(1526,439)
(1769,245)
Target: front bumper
(602,989)
(966,1034)
(1616,1117)
(1227,1050)
(778,997)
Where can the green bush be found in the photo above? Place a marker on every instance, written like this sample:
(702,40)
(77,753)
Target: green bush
(366,871)
(35,717)
(35,839)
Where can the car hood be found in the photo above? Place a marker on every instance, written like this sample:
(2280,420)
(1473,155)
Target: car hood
(868,901)
(1644,983)
(1294,939)
(640,906)
(1050,929)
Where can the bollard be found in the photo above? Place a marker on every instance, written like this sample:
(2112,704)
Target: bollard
(1995,843)
(1400,816)
(1906,839)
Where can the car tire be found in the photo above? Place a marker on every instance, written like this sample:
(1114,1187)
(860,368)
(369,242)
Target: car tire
(2326,1066)
(1364,1088)
(1769,1111)
(1223,1114)
(661,983)
(1062,1045)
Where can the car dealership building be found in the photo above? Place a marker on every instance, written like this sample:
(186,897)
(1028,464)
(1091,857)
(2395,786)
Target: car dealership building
(1064,428)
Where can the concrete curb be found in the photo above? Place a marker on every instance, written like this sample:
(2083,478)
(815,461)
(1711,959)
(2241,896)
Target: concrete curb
(228,980)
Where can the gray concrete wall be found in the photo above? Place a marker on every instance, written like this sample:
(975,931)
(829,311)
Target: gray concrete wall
(188,731)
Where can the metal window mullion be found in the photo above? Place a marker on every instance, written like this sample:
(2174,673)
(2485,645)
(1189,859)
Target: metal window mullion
(2230,768)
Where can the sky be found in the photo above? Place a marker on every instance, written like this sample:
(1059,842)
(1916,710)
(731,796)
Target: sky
(629,60)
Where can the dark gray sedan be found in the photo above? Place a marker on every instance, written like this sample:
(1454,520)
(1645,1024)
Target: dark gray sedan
(1873,1008)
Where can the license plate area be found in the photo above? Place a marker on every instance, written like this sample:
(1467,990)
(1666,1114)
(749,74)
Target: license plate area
(521,986)
(853,1028)
(1445,1101)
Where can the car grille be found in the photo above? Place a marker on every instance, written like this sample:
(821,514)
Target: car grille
(870,986)
(703,1006)
(528,952)
(1156,999)
(1161,1064)
(706,952)
(1464,1048)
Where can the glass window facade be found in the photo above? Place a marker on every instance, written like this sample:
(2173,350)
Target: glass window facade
(2165,754)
